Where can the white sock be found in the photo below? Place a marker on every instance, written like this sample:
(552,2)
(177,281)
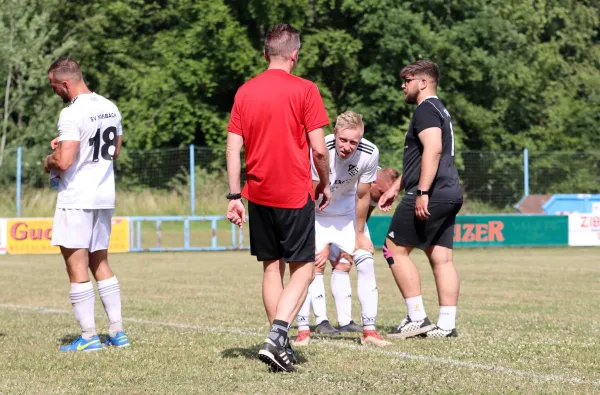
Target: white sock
(416,310)
(82,299)
(110,293)
(368,294)
(342,294)
(317,294)
(447,318)
(303,318)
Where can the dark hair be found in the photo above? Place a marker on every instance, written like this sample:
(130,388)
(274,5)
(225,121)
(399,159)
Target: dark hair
(426,67)
(66,66)
(281,41)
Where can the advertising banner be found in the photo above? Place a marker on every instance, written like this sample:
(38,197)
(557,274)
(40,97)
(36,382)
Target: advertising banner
(2,236)
(584,229)
(33,236)
(494,230)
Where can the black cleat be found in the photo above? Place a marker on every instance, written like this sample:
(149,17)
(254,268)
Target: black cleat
(276,357)
(325,328)
(351,327)
(290,352)
(408,328)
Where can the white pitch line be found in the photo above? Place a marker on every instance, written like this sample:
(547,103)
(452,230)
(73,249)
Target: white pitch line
(397,354)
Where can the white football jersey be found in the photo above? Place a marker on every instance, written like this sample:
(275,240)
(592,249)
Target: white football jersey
(89,183)
(345,174)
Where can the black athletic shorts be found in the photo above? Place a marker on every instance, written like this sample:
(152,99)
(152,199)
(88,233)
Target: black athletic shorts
(287,233)
(407,230)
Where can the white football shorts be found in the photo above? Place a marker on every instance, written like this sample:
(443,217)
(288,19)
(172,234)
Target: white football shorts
(339,231)
(79,228)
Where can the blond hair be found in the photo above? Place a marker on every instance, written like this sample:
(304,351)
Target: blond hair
(349,120)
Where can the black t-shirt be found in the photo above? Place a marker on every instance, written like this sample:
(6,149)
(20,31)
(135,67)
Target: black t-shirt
(445,187)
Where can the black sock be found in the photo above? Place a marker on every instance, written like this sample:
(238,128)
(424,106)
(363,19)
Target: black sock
(279,332)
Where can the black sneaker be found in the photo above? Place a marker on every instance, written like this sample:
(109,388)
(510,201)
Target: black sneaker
(351,327)
(438,332)
(325,328)
(290,352)
(408,328)
(276,357)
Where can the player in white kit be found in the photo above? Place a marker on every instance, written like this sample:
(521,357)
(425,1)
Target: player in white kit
(353,162)
(89,139)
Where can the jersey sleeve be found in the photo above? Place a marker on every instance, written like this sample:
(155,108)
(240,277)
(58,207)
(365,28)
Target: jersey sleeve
(119,127)
(315,116)
(68,130)
(315,175)
(370,173)
(427,116)
(235,119)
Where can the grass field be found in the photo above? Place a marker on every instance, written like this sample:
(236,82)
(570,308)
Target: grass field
(528,322)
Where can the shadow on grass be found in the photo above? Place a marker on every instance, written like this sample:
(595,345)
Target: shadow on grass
(252,353)
(68,339)
(385,330)
(2,334)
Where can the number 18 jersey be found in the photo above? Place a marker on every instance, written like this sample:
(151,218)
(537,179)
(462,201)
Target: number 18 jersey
(89,183)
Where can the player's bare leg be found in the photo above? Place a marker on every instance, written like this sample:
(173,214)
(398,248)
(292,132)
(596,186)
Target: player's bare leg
(295,291)
(448,287)
(408,279)
(272,286)
(98,263)
(290,301)
(109,290)
(303,318)
(77,264)
(82,299)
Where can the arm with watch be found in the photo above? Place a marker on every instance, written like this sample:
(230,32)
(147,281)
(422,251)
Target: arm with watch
(236,212)
(431,138)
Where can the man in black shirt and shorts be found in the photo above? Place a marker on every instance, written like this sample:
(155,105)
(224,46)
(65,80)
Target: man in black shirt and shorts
(425,216)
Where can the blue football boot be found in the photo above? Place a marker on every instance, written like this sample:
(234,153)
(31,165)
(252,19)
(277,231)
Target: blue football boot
(80,344)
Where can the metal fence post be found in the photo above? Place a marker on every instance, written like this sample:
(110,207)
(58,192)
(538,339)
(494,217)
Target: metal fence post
(18,181)
(526,171)
(192,181)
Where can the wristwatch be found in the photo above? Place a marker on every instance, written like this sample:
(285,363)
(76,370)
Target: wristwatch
(234,196)
(421,192)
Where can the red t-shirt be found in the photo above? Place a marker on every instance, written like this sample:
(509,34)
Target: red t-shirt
(274,111)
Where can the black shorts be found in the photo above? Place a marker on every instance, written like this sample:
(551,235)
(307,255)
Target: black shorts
(287,233)
(407,230)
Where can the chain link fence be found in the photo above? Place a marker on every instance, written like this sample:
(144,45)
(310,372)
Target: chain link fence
(492,181)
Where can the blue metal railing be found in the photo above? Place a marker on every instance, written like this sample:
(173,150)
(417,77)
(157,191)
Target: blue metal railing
(135,234)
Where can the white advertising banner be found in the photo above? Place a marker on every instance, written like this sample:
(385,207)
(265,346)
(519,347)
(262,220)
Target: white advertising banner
(3,231)
(584,229)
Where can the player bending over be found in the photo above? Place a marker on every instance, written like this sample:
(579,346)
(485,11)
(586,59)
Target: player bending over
(353,162)
(341,262)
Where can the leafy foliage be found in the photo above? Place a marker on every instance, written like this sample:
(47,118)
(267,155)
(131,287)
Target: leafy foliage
(515,73)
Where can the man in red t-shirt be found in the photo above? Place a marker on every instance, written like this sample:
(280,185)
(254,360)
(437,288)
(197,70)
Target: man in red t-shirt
(275,116)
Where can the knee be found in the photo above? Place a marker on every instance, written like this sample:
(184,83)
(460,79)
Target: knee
(341,266)
(443,262)
(319,270)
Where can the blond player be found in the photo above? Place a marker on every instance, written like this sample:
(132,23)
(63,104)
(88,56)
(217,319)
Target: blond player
(89,130)
(353,162)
